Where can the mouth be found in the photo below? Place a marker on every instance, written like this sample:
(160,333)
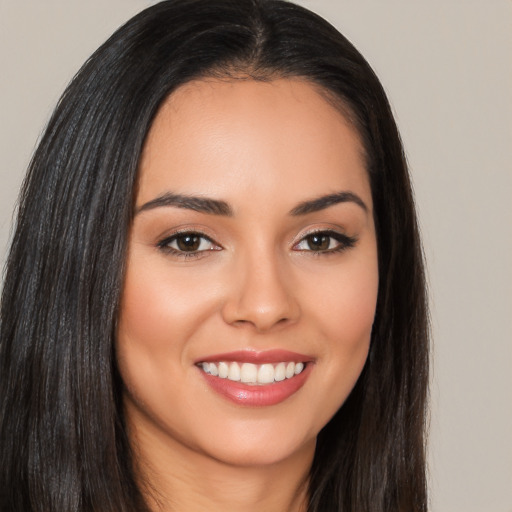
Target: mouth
(253,374)
(256,378)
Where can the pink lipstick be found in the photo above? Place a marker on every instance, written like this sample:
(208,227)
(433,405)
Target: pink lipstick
(256,378)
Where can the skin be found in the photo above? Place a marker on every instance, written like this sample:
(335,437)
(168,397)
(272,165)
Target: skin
(263,148)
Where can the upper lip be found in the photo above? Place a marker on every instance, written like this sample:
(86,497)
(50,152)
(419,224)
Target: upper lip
(257,357)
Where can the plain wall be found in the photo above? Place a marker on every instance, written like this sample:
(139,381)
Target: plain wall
(446,66)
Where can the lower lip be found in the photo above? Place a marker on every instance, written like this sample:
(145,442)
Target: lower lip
(258,395)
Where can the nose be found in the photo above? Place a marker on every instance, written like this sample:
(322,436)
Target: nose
(261,295)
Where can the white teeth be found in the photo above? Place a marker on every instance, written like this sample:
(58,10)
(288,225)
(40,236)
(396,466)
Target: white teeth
(234,371)
(266,374)
(250,373)
(223,370)
(290,370)
(280,372)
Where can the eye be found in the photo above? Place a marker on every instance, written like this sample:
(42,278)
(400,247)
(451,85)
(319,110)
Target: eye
(325,242)
(188,244)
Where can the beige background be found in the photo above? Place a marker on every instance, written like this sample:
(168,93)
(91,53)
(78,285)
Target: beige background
(446,65)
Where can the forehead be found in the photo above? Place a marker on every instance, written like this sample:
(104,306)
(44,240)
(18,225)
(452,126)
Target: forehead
(224,137)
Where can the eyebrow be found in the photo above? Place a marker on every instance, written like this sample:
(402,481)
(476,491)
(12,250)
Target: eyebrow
(323,202)
(219,207)
(196,203)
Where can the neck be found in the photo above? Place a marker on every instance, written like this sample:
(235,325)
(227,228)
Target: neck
(175,477)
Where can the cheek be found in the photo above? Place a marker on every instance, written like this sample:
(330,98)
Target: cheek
(344,313)
(353,307)
(160,304)
(157,315)
(347,303)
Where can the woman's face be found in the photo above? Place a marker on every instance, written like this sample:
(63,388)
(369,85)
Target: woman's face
(251,277)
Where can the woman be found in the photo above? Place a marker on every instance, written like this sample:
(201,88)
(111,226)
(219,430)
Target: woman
(215,295)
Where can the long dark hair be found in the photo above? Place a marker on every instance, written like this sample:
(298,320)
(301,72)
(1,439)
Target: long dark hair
(63,444)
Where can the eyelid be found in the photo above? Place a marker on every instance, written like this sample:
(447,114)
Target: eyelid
(344,241)
(164,243)
(186,229)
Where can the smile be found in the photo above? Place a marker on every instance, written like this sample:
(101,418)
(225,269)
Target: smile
(256,379)
(249,373)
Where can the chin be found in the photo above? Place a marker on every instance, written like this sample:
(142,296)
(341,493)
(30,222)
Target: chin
(259,443)
(260,456)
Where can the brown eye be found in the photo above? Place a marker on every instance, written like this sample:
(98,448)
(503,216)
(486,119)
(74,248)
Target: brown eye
(318,242)
(325,242)
(188,242)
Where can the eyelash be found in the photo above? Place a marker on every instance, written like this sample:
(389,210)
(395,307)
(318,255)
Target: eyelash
(344,242)
(164,244)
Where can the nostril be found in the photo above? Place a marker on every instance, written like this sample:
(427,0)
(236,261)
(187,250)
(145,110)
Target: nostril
(262,325)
